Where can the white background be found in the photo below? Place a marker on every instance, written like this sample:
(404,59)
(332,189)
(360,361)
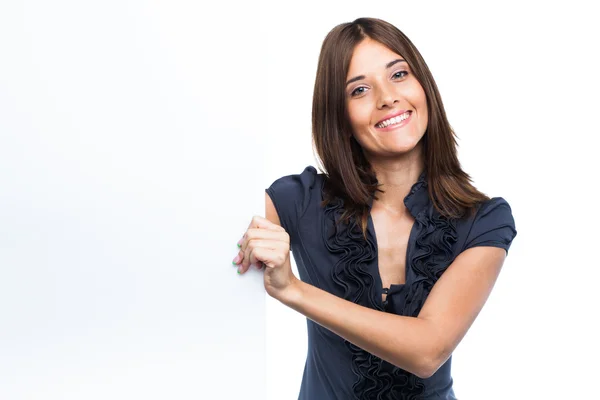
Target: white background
(136,140)
(128,172)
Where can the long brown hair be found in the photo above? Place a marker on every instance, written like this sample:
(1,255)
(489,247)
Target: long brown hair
(349,175)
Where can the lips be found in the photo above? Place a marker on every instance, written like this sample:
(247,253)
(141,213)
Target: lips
(395,114)
(399,125)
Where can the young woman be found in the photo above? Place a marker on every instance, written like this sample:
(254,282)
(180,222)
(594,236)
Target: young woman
(397,252)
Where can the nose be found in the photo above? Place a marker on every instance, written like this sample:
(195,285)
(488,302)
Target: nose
(387,97)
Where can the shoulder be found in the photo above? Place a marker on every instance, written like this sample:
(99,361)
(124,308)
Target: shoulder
(296,183)
(495,212)
(292,195)
(492,225)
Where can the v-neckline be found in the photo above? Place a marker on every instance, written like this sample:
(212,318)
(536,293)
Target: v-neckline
(377,273)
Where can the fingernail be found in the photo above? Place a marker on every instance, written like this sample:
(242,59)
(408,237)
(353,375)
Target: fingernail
(236,259)
(239,269)
(239,243)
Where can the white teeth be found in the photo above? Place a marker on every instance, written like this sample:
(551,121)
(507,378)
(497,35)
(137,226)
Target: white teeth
(394,120)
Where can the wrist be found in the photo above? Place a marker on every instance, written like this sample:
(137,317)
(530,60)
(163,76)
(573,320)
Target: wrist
(292,293)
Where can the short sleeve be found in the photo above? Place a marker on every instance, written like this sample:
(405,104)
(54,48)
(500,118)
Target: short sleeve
(291,196)
(493,225)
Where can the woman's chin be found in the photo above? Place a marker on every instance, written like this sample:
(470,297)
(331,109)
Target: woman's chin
(401,145)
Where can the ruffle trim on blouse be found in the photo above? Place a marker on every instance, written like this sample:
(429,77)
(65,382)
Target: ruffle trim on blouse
(432,255)
(376,378)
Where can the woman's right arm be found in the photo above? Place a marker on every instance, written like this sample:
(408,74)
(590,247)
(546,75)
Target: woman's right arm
(270,211)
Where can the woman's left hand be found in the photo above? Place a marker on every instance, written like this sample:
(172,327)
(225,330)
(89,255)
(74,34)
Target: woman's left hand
(266,244)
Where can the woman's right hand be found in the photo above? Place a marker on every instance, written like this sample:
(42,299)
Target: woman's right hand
(267,244)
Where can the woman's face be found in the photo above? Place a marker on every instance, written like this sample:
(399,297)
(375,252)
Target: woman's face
(384,88)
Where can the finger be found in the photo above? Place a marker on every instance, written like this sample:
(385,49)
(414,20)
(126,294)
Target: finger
(237,260)
(263,234)
(244,264)
(250,254)
(261,222)
(259,228)
(266,256)
(277,245)
(252,244)
(248,258)
(275,251)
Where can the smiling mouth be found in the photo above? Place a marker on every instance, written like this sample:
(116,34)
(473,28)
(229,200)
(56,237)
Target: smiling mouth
(396,122)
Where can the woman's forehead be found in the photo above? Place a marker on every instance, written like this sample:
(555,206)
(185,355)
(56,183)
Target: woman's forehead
(371,57)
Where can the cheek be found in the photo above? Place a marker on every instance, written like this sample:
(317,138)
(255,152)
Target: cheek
(421,99)
(359,114)
(425,110)
(415,94)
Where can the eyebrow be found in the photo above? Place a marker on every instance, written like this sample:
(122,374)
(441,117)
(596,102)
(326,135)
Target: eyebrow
(387,66)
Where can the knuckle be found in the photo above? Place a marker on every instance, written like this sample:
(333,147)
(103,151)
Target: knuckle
(285,237)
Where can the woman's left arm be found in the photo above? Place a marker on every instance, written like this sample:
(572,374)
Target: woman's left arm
(419,345)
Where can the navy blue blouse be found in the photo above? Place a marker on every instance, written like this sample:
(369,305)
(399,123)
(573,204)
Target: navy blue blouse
(339,260)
